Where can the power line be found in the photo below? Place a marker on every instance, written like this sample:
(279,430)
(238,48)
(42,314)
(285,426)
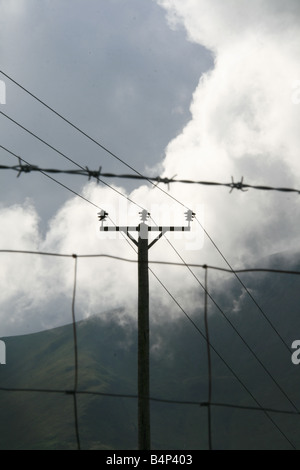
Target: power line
(30,167)
(232,185)
(241,186)
(69,122)
(64,156)
(67,188)
(244,286)
(154,222)
(74,392)
(126,197)
(227,319)
(112,154)
(232,326)
(236,330)
(53,179)
(134,261)
(152,219)
(222,359)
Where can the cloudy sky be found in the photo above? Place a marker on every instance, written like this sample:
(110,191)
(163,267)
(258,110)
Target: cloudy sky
(201,89)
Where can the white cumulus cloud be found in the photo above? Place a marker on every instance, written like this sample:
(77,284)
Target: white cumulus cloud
(244,122)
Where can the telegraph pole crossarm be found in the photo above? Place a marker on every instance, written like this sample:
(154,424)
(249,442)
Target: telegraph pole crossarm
(144,432)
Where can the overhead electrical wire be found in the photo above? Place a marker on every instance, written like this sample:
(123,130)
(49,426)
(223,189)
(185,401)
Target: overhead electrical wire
(67,188)
(74,392)
(139,174)
(244,286)
(129,199)
(95,174)
(63,155)
(223,360)
(134,261)
(199,282)
(237,332)
(108,152)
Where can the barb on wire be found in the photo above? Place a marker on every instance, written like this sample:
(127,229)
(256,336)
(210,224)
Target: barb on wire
(239,186)
(21,168)
(159,180)
(94,174)
(97,174)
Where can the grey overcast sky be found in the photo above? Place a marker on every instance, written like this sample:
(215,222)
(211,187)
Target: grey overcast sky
(113,67)
(202,89)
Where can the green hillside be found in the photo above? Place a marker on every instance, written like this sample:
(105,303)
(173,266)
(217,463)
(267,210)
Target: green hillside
(108,363)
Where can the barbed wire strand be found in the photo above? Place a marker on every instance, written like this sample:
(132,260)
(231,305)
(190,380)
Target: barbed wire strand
(97,174)
(91,139)
(201,225)
(60,153)
(66,157)
(205,231)
(241,186)
(112,154)
(176,251)
(233,185)
(109,152)
(68,189)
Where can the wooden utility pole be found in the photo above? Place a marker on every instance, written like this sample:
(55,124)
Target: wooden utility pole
(144,429)
(144,434)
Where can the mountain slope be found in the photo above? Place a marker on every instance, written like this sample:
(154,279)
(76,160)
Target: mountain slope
(107,363)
